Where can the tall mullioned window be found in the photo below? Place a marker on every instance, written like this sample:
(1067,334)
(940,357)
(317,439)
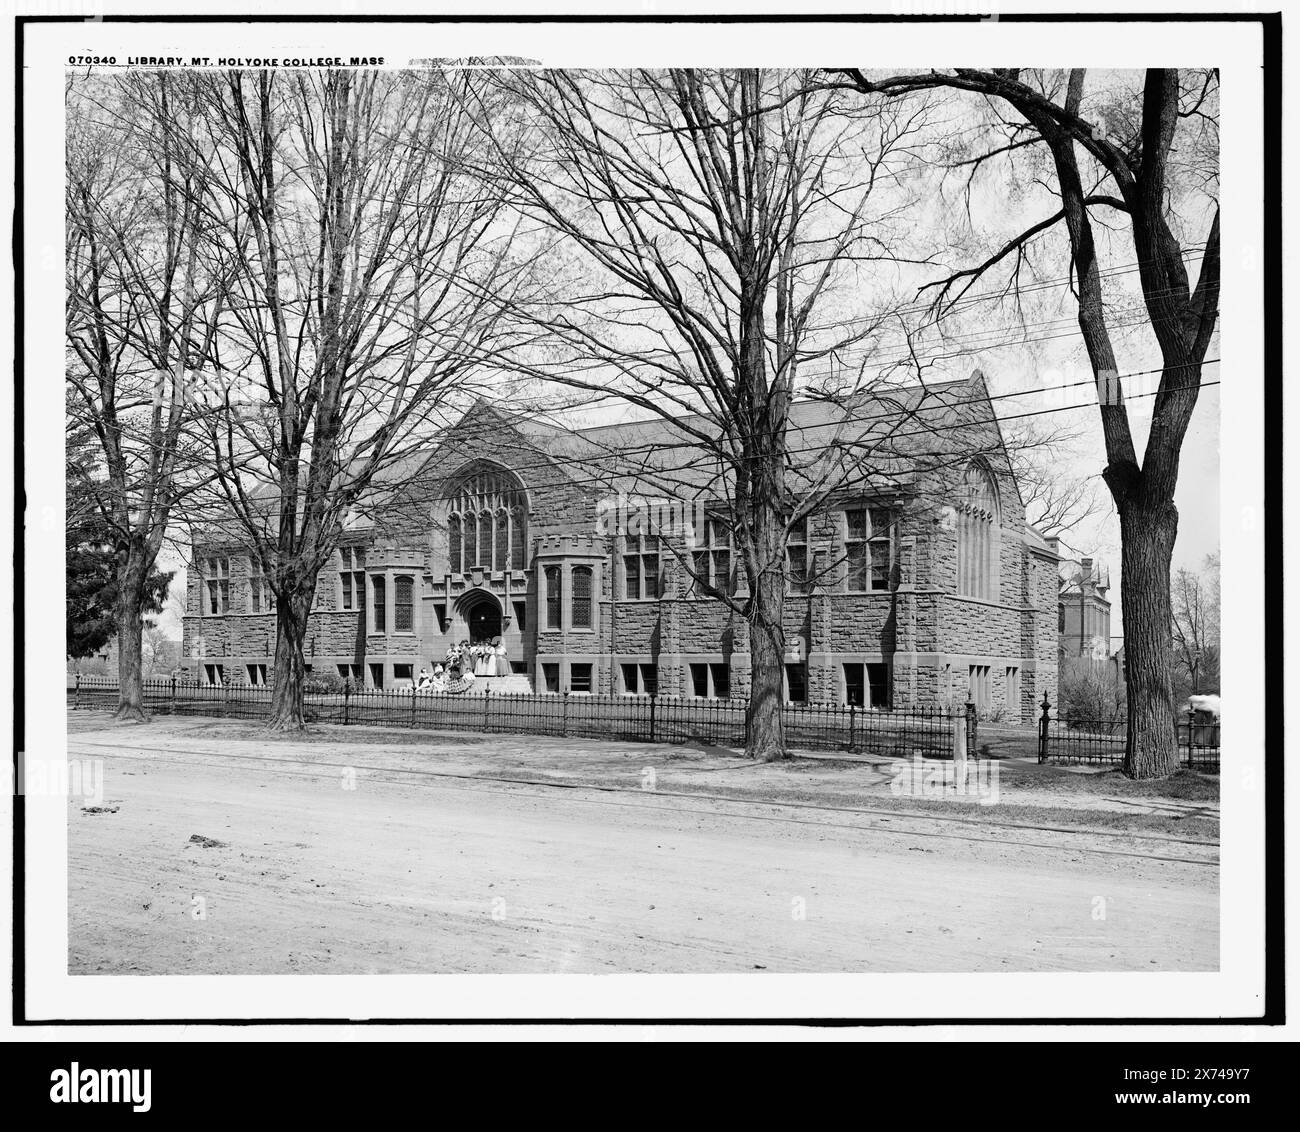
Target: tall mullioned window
(641,577)
(261,598)
(798,569)
(518,536)
(470,559)
(403,604)
(453,539)
(352,577)
(216,578)
(379,604)
(487,523)
(978,521)
(711,560)
(553,597)
(580,597)
(868,549)
(501,547)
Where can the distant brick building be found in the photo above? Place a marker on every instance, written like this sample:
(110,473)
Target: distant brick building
(925,589)
(1083,611)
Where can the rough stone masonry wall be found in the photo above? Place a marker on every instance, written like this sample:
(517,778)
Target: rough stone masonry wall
(1002,633)
(921,625)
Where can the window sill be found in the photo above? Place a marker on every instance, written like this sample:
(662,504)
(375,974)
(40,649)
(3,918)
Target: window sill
(995,602)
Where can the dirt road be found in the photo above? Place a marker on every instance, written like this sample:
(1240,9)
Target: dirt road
(347,861)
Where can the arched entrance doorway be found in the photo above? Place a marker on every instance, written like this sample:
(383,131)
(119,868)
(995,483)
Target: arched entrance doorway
(482,618)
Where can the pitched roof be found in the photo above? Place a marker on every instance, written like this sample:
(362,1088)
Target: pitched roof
(896,429)
(1071,571)
(886,436)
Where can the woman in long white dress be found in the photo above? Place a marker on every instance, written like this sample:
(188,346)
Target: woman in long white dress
(500,663)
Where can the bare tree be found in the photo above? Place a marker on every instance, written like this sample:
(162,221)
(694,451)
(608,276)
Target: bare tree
(1196,627)
(1044,457)
(160,653)
(138,301)
(725,222)
(370,269)
(1092,696)
(1127,159)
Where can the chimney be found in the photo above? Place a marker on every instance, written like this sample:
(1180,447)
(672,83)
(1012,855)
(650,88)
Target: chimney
(1085,571)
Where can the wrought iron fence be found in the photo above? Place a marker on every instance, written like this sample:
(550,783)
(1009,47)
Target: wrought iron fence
(657,719)
(1102,741)
(1198,740)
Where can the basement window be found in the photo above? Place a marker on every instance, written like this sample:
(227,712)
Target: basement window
(580,678)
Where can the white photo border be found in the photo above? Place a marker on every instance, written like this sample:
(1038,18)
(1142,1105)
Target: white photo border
(1236,991)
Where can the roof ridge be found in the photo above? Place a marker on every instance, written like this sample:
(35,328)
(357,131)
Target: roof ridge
(862,395)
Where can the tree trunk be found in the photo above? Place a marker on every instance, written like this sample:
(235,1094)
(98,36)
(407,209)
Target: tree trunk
(763,715)
(764,728)
(1147,541)
(291,615)
(130,627)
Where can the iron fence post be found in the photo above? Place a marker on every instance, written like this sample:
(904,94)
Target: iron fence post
(76,693)
(564,714)
(1191,717)
(653,698)
(1042,731)
(173,711)
(957,741)
(972,730)
(853,725)
(487,695)
(347,694)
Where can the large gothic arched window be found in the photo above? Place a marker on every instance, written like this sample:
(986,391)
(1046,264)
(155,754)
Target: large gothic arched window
(487,523)
(978,523)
